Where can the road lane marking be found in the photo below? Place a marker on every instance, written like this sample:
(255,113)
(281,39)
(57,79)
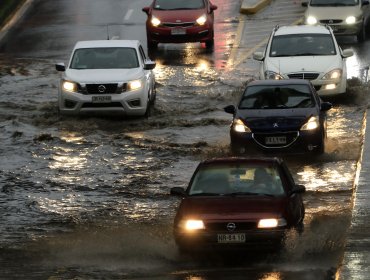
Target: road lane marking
(231,60)
(128,14)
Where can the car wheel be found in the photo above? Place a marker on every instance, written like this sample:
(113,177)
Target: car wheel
(361,36)
(321,147)
(236,149)
(149,108)
(210,43)
(151,44)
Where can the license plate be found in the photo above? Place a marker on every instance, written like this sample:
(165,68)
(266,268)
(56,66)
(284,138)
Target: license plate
(178,31)
(102,99)
(275,140)
(231,238)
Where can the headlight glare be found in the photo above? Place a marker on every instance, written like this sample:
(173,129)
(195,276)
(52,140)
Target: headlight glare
(155,21)
(271,75)
(191,225)
(311,124)
(311,20)
(334,74)
(70,86)
(271,223)
(351,20)
(202,20)
(134,85)
(239,126)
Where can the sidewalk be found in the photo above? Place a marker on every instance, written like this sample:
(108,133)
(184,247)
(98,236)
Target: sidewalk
(356,259)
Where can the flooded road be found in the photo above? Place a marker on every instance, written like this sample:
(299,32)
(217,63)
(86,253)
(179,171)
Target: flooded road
(88,198)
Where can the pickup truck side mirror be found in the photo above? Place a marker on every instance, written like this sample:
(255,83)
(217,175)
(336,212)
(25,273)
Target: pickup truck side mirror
(60,67)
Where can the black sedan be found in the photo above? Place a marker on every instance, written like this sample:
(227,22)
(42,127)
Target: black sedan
(238,203)
(279,115)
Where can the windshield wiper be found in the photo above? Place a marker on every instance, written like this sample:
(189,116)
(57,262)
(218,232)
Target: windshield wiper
(241,193)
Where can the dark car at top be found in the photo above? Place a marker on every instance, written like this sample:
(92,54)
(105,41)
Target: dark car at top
(180,22)
(279,116)
(238,203)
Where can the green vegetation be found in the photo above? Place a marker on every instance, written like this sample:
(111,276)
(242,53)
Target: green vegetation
(7,8)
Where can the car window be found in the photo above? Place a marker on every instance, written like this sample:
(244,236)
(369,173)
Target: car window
(277,97)
(178,5)
(335,3)
(105,58)
(302,45)
(236,180)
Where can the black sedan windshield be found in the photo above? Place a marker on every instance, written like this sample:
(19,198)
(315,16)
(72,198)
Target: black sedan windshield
(333,3)
(274,97)
(302,45)
(178,5)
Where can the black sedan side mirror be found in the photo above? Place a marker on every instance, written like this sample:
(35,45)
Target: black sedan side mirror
(304,4)
(365,2)
(230,109)
(298,189)
(326,106)
(178,191)
(60,67)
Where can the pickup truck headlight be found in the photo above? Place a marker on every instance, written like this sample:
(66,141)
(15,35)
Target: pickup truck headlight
(134,85)
(70,86)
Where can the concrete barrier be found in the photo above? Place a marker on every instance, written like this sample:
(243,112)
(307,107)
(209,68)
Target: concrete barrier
(253,6)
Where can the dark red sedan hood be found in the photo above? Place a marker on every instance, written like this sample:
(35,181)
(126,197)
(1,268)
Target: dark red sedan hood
(219,208)
(178,16)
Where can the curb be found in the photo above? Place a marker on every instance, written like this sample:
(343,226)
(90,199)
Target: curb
(16,16)
(253,6)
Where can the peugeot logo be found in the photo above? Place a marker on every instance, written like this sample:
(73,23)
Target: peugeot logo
(101,88)
(178,20)
(231,226)
(331,21)
(275,125)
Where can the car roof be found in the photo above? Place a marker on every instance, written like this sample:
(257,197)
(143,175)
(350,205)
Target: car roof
(278,82)
(107,44)
(243,160)
(301,29)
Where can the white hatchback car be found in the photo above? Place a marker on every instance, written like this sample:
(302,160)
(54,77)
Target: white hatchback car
(305,52)
(107,77)
(345,17)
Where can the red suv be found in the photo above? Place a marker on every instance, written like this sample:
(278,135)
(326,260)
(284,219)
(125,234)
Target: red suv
(180,22)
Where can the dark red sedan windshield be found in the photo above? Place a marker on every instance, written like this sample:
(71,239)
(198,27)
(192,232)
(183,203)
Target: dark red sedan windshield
(178,5)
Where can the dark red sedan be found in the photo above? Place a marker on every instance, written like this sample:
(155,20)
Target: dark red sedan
(180,22)
(236,203)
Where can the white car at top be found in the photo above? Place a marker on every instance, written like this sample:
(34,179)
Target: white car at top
(305,52)
(107,77)
(345,17)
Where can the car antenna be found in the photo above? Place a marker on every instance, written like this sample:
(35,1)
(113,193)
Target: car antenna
(107,32)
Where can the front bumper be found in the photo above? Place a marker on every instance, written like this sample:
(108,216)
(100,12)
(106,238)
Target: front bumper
(185,34)
(133,103)
(346,29)
(261,239)
(296,141)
